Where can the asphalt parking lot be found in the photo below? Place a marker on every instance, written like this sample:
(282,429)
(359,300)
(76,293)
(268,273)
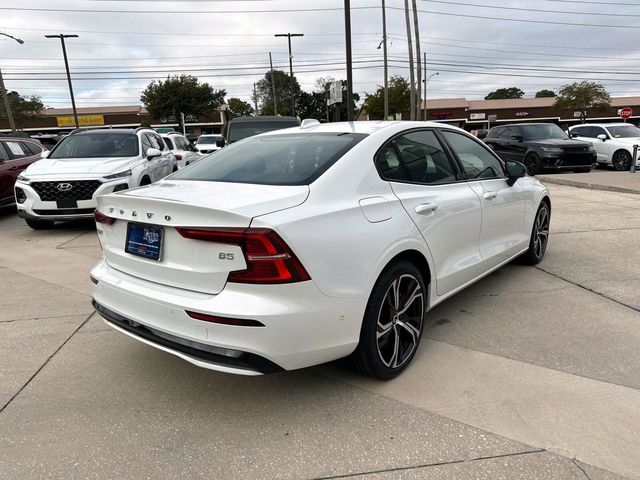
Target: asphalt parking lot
(531,373)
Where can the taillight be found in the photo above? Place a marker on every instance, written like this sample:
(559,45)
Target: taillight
(178,157)
(102,218)
(269,259)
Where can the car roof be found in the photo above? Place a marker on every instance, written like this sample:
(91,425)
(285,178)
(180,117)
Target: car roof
(108,131)
(264,118)
(617,124)
(522,124)
(363,126)
(211,135)
(170,134)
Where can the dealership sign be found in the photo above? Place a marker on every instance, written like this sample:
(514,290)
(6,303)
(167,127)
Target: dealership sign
(625,112)
(477,116)
(524,114)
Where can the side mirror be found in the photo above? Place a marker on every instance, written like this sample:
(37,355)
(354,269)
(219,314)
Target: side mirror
(515,170)
(44,154)
(517,138)
(574,134)
(153,153)
(602,137)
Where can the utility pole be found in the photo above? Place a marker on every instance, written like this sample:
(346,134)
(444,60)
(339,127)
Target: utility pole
(347,34)
(255,99)
(289,35)
(425,86)
(386,65)
(412,81)
(273,87)
(3,90)
(416,27)
(66,65)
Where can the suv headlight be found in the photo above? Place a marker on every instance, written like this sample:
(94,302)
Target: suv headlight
(592,148)
(126,173)
(23,179)
(552,150)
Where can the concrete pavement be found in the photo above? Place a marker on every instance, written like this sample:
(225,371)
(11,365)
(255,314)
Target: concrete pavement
(530,373)
(597,179)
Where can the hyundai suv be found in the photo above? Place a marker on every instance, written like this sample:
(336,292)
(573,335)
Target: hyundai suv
(614,142)
(65,183)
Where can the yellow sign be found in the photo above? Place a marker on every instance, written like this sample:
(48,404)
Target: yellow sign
(83,120)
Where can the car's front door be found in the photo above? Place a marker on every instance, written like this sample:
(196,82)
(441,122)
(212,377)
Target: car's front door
(17,157)
(440,203)
(503,207)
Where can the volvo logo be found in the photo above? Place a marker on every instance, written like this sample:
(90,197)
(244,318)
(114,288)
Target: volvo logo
(64,187)
(149,215)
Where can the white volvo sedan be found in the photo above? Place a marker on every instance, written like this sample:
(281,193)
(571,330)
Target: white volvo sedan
(305,245)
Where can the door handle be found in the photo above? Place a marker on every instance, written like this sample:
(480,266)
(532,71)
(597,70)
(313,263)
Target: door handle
(490,195)
(426,208)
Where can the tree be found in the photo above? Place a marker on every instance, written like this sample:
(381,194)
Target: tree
(284,92)
(180,94)
(399,98)
(312,105)
(545,93)
(22,108)
(239,108)
(582,96)
(504,93)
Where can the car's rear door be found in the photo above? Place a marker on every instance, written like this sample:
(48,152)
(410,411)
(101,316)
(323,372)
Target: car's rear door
(503,232)
(441,204)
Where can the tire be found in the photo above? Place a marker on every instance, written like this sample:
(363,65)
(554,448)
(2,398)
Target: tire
(174,170)
(145,181)
(621,160)
(582,170)
(539,236)
(386,355)
(39,224)
(532,162)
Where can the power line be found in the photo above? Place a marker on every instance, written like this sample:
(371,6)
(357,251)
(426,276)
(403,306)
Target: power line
(183,12)
(524,9)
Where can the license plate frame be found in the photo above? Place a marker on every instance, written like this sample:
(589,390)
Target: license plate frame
(144,240)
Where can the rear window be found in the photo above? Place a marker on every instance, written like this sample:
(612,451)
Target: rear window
(168,142)
(97,145)
(290,159)
(238,131)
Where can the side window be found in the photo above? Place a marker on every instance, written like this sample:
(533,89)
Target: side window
(159,144)
(579,131)
(32,147)
(495,132)
(181,143)
(416,157)
(16,150)
(169,143)
(3,152)
(476,160)
(146,144)
(598,131)
(506,133)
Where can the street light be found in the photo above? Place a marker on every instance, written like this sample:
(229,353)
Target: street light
(289,35)
(66,64)
(426,80)
(5,95)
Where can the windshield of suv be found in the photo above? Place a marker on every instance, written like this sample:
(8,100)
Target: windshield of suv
(543,132)
(210,140)
(238,131)
(97,145)
(624,131)
(294,159)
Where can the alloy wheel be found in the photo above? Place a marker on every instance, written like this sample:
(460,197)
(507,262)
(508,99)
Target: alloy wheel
(541,234)
(621,161)
(400,321)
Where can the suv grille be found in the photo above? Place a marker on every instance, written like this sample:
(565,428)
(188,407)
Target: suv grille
(73,190)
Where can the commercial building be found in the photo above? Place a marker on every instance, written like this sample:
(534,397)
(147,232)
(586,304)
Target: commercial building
(57,120)
(476,114)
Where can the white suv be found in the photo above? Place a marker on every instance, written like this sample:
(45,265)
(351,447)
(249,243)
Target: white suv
(64,185)
(184,152)
(613,142)
(207,144)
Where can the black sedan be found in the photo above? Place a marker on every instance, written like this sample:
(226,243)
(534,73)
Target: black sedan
(541,146)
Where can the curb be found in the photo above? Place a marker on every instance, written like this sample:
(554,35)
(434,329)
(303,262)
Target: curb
(588,185)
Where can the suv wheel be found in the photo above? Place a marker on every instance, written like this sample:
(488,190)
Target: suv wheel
(393,322)
(621,160)
(539,236)
(39,224)
(532,162)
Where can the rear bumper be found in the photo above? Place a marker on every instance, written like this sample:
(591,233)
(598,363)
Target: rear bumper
(302,326)
(232,361)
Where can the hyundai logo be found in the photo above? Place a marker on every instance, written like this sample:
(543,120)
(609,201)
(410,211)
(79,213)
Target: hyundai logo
(64,187)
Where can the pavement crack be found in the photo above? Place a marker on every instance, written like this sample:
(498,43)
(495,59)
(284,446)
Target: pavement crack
(426,465)
(71,239)
(573,460)
(597,230)
(588,289)
(46,362)
(45,317)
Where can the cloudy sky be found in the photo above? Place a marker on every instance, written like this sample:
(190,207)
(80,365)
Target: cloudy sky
(475,46)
